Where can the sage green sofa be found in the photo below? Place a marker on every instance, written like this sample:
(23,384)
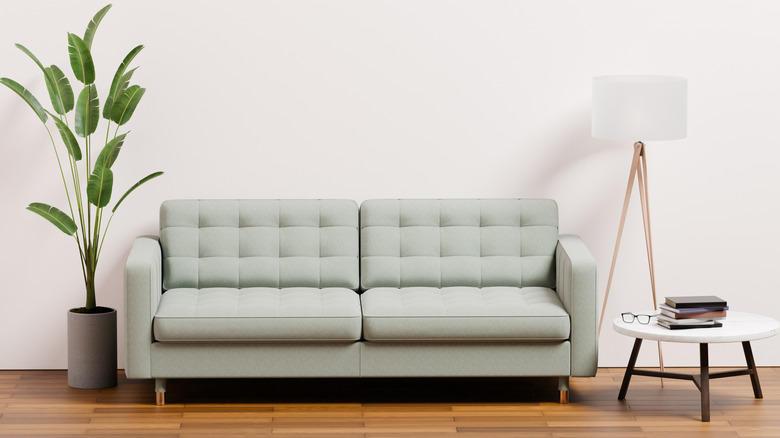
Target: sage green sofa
(394,288)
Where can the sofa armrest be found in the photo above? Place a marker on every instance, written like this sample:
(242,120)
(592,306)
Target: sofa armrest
(143,288)
(577,287)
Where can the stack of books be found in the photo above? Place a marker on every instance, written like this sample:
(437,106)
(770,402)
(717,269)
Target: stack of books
(692,312)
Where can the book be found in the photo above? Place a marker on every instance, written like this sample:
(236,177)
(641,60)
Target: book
(669,308)
(717,314)
(695,301)
(688,326)
(687,321)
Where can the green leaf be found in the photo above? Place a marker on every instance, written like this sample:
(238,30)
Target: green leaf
(27,96)
(68,138)
(51,86)
(135,186)
(92,26)
(55,216)
(120,82)
(30,54)
(62,89)
(99,186)
(87,111)
(125,105)
(124,82)
(48,77)
(110,152)
(81,60)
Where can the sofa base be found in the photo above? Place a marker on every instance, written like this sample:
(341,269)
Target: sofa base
(254,360)
(465,359)
(361,359)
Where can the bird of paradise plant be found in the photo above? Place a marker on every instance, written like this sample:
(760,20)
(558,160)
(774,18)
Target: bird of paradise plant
(86,202)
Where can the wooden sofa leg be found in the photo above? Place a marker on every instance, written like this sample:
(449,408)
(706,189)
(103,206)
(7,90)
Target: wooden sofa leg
(159,389)
(563,387)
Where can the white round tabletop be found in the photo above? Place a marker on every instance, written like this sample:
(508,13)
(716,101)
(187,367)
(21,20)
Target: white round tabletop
(737,327)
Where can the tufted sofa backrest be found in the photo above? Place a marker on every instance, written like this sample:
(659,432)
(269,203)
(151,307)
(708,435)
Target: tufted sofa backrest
(259,243)
(460,242)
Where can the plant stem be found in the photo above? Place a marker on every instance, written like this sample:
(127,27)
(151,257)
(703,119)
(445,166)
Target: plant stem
(74,171)
(105,233)
(62,173)
(77,184)
(96,236)
(90,283)
(88,148)
(88,204)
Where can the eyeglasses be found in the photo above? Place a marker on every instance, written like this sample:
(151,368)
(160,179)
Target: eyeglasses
(642,319)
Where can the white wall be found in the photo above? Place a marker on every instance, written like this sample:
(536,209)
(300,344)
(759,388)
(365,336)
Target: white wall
(369,99)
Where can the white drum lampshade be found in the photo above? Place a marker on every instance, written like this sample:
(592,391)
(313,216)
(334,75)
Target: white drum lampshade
(640,107)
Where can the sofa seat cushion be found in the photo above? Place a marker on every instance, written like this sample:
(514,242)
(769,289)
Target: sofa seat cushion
(258,314)
(499,314)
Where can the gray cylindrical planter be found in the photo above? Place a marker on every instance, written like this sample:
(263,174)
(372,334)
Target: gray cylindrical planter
(92,350)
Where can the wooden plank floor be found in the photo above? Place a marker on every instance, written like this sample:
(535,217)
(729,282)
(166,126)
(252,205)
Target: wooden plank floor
(39,403)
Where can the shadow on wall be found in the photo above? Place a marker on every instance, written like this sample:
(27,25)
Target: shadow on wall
(109,286)
(29,154)
(571,166)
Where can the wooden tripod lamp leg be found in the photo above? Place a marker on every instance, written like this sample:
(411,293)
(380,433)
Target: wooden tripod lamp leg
(644,198)
(632,173)
(638,170)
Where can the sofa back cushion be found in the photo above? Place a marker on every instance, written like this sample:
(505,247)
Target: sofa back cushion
(460,242)
(259,243)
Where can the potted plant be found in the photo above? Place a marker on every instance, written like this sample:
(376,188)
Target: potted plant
(88,180)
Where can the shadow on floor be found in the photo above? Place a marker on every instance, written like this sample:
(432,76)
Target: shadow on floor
(366,390)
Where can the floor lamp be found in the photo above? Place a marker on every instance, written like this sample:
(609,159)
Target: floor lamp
(634,108)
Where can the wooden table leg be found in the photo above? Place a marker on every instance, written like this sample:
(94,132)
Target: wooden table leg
(630,369)
(705,382)
(752,369)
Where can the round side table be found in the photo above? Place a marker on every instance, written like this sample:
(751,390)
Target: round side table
(737,327)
